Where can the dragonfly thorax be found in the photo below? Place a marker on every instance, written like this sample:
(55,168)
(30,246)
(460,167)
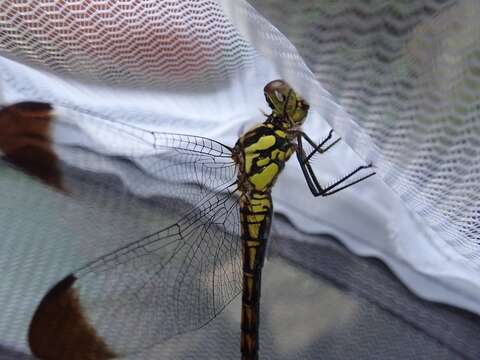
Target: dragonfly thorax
(261,154)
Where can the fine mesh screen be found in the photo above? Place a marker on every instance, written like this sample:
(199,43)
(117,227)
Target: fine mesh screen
(407,73)
(125,43)
(396,79)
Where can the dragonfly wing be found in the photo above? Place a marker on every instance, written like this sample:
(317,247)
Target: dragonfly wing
(175,168)
(41,138)
(185,159)
(172,174)
(170,282)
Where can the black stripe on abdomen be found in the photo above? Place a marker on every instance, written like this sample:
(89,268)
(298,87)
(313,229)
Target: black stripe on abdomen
(256,215)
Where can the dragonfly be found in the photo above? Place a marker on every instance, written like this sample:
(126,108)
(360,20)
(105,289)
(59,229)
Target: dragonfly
(177,279)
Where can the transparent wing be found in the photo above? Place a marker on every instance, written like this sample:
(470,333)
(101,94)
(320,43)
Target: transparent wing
(140,158)
(177,173)
(167,158)
(175,280)
(172,281)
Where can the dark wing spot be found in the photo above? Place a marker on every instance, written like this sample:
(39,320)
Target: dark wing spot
(25,141)
(59,330)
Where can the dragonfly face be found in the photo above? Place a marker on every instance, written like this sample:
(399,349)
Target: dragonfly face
(289,109)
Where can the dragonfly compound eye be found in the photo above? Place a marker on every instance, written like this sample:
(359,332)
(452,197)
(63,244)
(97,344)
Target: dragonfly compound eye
(279,96)
(275,85)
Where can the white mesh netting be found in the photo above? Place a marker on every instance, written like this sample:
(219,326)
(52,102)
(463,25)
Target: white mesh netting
(125,43)
(398,80)
(407,73)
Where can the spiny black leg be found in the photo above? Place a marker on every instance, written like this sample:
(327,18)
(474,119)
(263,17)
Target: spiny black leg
(320,150)
(309,174)
(316,148)
(312,181)
(327,192)
(307,170)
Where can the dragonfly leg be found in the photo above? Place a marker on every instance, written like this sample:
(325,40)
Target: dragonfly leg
(332,189)
(317,148)
(310,177)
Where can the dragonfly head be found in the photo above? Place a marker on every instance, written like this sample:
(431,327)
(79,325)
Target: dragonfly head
(286,104)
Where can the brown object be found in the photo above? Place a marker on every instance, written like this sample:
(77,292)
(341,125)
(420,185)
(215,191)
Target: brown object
(26,143)
(59,330)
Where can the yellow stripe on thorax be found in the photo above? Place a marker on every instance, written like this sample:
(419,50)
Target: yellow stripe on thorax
(262,167)
(252,151)
(262,179)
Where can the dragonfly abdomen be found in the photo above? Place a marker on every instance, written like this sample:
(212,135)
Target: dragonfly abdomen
(256,216)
